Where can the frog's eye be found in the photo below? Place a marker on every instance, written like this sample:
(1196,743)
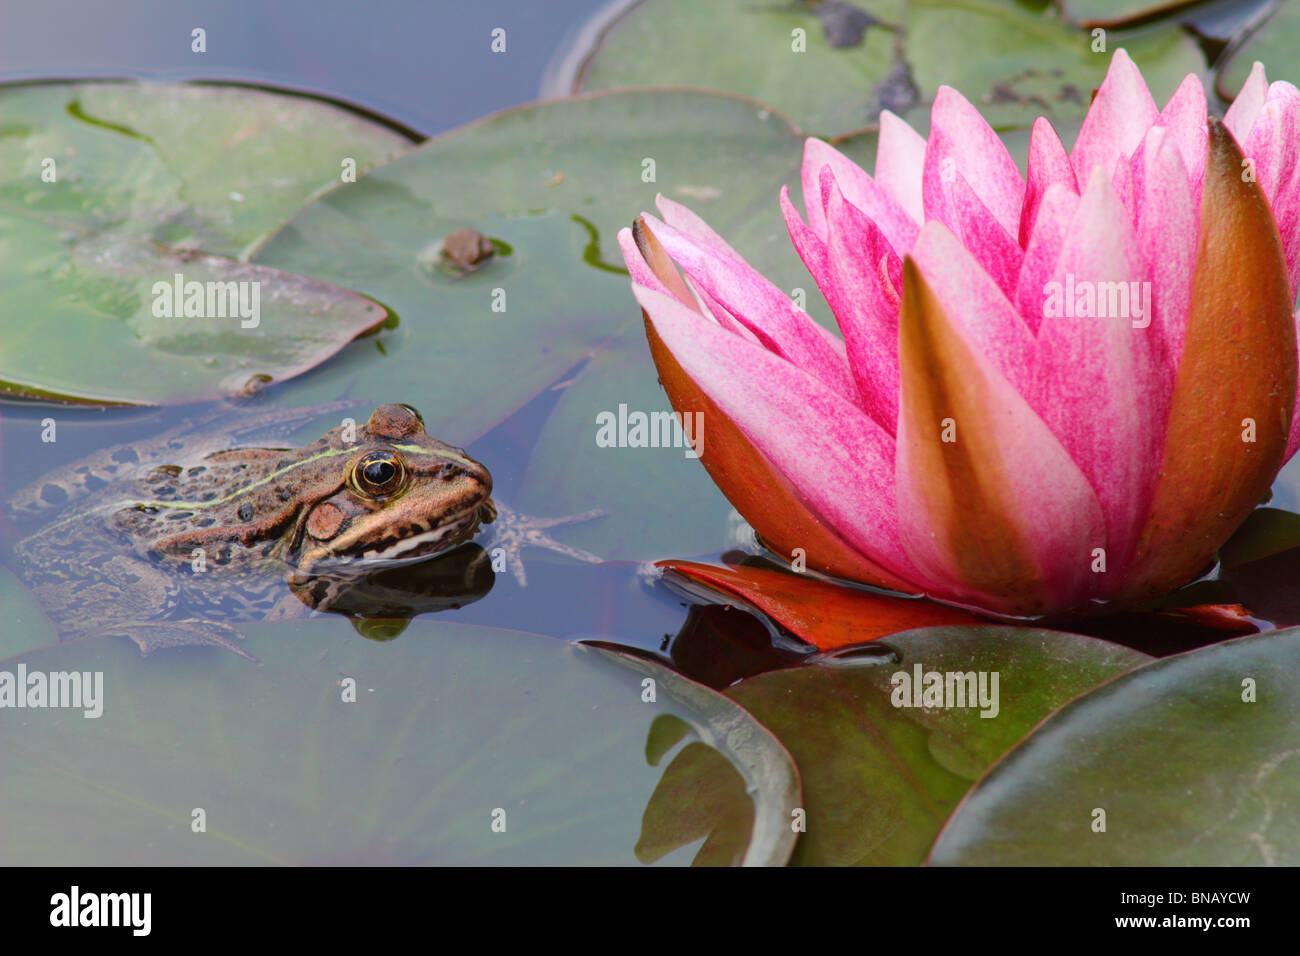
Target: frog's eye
(378,473)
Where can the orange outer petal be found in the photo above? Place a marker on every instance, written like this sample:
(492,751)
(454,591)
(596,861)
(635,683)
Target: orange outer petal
(1238,363)
(828,616)
(983,495)
(766,500)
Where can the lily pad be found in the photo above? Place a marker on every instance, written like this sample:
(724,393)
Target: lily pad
(1272,41)
(551,185)
(1192,759)
(1110,13)
(878,780)
(111,190)
(1013,62)
(454,727)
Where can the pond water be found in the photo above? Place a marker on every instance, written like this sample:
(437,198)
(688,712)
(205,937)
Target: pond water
(410,62)
(472,710)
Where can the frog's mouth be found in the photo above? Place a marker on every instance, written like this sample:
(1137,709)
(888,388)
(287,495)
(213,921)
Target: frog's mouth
(409,549)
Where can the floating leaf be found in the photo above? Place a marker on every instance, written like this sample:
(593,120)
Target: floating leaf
(110,188)
(1272,41)
(1014,63)
(879,780)
(453,727)
(1192,759)
(97,337)
(195,165)
(1111,13)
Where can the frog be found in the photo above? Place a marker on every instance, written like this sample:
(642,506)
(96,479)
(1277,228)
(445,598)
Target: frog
(465,250)
(168,541)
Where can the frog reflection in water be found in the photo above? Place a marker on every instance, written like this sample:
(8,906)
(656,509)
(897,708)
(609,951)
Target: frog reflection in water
(187,522)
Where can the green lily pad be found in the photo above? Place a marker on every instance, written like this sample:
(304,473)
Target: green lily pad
(111,190)
(453,727)
(1109,13)
(878,780)
(1013,62)
(551,185)
(1187,772)
(1272,41)
(198,166)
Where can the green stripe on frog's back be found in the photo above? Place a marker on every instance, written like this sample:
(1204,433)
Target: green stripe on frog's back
(302,463)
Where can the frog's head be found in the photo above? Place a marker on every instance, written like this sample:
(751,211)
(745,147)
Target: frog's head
(402,496)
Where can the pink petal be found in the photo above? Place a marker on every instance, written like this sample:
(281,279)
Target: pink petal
(1273,145)
(996,249)
(684,220)
(1019,488)
(637,267)
(1097,382)
(1052,225)
(1166,217)
(759,305)
(841,461)
(865,278)
(644,273)
(1122,182)
(713,309)
(858,188)
(684,291)
(970,296)
(813,253)
(1241,114)
(900,159)
(962,143)
(810,246)
(1049,165)
(1184,115)
(1116,120)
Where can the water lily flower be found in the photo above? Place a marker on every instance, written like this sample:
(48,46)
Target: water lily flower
(1053,389)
